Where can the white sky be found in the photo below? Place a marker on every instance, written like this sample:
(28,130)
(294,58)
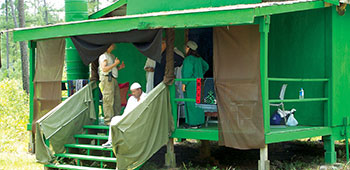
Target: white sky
(60,4)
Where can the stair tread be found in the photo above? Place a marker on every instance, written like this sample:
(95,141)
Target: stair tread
(85,146)
(73,167)
(86,157)
(96,127)
(89,136)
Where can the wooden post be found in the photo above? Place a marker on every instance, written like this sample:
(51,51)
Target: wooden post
(170,160)
(169,75)
(264,163)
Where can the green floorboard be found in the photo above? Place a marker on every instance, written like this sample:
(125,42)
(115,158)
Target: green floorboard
(87,136)
(286,133)
(74,167)
(205,133)
(84,146)
(96,127)
(86,157)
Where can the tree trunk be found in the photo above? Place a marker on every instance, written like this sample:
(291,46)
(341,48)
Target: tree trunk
(46,15)
(23,47)
(13,10)
(7,38)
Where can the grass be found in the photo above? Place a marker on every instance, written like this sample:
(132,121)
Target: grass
(14,137)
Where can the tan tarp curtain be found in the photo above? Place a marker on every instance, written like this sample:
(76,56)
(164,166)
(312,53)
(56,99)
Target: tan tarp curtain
(63,122)
(49,62)
(144,130)
(237,82)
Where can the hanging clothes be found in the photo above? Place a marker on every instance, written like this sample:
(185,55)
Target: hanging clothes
(193,67)
(149,75)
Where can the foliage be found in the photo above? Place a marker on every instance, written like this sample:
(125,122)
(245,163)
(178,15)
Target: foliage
(14,110)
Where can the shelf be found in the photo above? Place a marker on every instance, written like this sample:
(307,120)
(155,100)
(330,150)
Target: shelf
(298,100)
(299,80)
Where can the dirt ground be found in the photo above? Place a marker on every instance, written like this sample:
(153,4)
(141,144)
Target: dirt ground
(298,155)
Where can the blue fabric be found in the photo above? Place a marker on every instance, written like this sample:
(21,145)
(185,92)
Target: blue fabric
(275,119)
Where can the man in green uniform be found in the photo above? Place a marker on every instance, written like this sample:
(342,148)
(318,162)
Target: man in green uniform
(193,67)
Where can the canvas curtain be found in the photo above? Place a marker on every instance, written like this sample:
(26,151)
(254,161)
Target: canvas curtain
(237,83)
(144,130)
(90,47)
(64,121)
(49,62)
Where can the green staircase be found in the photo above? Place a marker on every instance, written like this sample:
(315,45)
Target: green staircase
(87,153)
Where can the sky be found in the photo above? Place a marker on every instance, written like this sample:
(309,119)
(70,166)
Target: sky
(60,4)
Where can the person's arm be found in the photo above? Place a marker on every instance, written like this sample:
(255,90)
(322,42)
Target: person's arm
(205,66)
(106,68)
(121,66)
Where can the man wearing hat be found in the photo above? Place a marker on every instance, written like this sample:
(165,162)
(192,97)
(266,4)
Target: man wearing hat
(193,67)
(138,96)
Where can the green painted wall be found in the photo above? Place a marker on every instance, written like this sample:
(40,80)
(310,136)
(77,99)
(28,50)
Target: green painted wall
(297,50)
(340,66)
(134,64)
(142,6)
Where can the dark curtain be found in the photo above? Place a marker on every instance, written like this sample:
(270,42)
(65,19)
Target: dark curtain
(90,47)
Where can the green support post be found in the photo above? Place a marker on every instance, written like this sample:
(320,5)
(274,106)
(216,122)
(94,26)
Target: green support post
(31,46)
(264,35)
(264,25)
(173,104)
(329,146)
(346,123)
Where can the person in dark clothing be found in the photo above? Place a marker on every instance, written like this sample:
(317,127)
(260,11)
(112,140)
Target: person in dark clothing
(159,70)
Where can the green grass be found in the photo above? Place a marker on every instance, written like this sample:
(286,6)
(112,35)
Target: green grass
(14,137)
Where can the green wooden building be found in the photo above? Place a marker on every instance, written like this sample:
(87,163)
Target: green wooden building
(302,43)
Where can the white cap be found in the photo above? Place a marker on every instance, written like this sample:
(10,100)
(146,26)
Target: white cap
(135,86)
(192,45)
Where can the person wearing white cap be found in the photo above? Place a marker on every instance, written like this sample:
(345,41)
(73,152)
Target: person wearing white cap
(193,67)
(137,97)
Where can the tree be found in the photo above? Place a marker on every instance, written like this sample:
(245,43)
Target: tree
(23,47)
(46,17)
(13,10)
(7,38)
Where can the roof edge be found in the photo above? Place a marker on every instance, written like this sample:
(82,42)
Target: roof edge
(107,9)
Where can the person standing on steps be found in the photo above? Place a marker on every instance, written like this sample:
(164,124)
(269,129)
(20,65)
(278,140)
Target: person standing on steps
(108,65)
